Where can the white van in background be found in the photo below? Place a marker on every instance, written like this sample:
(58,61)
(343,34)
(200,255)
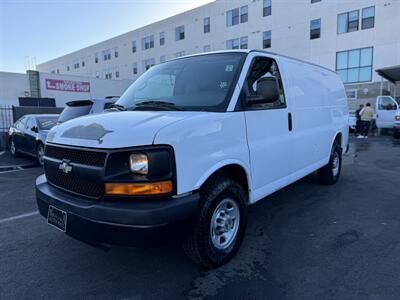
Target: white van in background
(189,146)
(386,109)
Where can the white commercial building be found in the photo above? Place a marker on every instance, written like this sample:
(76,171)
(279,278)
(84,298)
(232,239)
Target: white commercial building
(46,89)
(353,38)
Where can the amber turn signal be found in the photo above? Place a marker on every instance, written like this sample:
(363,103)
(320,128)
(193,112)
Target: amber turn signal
(145,188)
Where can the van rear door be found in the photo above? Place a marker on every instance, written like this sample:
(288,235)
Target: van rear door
(386,108)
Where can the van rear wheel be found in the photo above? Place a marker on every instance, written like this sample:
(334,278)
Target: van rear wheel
(220,224)
(330,173)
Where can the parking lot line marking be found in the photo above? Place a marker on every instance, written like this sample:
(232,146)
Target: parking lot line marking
(19,217)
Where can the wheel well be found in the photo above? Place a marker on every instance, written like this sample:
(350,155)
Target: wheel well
(338,139)
(234,172)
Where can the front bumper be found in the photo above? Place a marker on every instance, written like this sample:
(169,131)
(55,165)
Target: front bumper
(138,223)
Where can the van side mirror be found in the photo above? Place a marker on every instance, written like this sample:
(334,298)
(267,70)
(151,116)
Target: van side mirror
(267,91)
(34,129)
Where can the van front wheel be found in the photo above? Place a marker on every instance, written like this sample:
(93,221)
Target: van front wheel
(220,224)
(330,173)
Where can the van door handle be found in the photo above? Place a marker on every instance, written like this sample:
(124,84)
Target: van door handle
(290,123)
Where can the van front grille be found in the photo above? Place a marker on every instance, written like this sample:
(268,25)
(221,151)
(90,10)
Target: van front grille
(80,156)
(82,186)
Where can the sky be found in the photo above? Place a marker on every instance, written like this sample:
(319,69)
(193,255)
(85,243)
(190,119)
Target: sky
(35,31)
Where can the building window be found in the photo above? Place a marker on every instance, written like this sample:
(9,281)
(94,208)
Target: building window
(106,54)
(315,29)
(267,8)
(207,26)
(368,17)
(67,68)
(148,63)
(267,39)
(96,58)
(232,44)
(162,58)
(116,52)
(348,22)
(134,68)
(244,14)
(355,65)
(97,74)
(76,65)
(315,1)
(162,38)
(148,42)
(108,75)
(134,47)
(180,54)
(180,33)
(116,74)
(83,63)
(58,71)
(244,42)
(232,17)
(207,48)
(53,72)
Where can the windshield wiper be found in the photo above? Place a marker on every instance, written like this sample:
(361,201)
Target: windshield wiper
(117,107)
(157,104)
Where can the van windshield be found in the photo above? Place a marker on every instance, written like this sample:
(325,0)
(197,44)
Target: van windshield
(197,83)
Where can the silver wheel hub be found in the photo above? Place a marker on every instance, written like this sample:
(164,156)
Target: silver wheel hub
(335,164)
(12,147)
(225,224)
(40,154)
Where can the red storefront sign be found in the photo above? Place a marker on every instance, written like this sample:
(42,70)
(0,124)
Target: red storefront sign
(68,85)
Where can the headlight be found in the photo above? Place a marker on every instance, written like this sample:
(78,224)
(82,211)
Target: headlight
(139,163)
(397,118)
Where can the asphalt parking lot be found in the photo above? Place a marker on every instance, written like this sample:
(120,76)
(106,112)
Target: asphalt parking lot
(306,241)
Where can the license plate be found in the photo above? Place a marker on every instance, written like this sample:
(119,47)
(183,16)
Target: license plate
(57,218)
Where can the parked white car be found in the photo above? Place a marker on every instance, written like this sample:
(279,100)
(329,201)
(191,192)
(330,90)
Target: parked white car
(196,140)
(386,109)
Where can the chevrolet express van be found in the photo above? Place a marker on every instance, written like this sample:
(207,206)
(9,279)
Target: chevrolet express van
(189,146)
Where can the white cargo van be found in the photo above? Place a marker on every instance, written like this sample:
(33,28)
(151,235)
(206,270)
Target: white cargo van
(195,141)
(386,109)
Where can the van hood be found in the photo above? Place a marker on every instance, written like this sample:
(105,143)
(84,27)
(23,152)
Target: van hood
(113,130)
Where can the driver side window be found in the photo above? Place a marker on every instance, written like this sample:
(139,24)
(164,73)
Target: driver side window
(261,68)
(386,103)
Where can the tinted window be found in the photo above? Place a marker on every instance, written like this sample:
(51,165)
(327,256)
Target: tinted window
(194,83)
(46,123)
(72,112)
(20,124)
(30,123)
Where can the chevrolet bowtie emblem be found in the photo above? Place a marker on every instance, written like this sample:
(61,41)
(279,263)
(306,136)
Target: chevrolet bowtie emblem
(65,167)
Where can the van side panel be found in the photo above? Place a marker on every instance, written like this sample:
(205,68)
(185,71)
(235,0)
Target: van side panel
(319,111)
(205,143)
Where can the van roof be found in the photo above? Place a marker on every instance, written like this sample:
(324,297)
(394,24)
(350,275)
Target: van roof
(247,51)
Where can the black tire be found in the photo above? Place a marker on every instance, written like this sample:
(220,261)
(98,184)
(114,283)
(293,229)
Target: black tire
(13,149)
(328,174)
(199,245)
(40,154)
(396,134)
